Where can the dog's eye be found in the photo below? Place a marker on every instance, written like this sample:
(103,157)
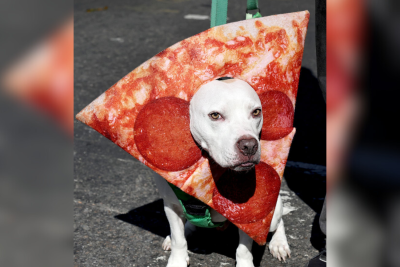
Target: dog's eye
(215,115)
(256,112)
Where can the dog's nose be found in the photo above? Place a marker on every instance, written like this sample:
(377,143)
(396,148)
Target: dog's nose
(247,147)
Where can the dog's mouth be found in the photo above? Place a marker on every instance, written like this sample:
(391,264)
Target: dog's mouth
(244,166)
(247,164)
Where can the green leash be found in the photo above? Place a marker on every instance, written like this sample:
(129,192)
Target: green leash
(194,210)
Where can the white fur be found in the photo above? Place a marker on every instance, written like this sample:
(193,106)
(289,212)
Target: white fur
(235,100)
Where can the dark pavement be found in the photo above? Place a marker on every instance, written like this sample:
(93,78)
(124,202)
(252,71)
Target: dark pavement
(119,217)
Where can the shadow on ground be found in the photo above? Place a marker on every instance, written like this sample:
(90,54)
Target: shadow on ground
(310,186)
(151,217)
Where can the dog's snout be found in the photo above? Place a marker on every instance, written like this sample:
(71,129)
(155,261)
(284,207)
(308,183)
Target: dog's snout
(247,147)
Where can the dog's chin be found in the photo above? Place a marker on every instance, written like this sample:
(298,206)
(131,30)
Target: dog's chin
(245,166)
(237,166)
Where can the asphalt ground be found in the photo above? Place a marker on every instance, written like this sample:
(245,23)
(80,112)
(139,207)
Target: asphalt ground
(118,214)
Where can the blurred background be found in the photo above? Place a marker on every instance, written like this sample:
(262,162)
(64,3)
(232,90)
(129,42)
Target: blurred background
(362,146)
(36,111)
(36,133)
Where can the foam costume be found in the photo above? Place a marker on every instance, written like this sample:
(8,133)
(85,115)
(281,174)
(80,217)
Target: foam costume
(146,113)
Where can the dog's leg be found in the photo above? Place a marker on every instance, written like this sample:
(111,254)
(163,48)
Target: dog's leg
(244,258)
(278,246)
(179,256)
(176,242)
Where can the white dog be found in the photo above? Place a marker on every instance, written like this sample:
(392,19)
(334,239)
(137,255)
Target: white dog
(226,121)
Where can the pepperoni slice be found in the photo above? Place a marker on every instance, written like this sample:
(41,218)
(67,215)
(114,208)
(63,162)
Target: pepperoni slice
(162,134)
(278,114)
(247,197)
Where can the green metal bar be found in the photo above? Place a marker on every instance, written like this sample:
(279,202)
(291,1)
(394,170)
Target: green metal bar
(219,12)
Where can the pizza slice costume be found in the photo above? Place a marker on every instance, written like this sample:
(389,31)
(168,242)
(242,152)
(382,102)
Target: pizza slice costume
(146,113)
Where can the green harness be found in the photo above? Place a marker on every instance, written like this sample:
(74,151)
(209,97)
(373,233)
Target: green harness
(194,210)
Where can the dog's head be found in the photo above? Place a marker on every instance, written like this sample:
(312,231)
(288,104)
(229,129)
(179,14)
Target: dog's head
(226,121)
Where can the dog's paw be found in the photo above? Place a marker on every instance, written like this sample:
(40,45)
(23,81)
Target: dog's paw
(166,245)
(279,248)
(176,260)
(244,263)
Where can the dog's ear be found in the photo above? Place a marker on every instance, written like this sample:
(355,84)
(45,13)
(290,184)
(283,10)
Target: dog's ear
(224,78)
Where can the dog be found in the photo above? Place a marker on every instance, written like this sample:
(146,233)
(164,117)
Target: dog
(226,121)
